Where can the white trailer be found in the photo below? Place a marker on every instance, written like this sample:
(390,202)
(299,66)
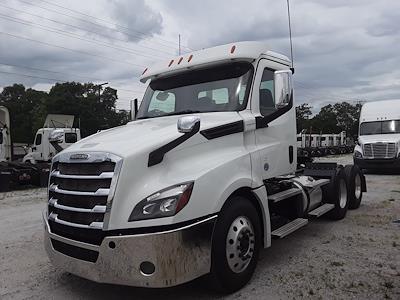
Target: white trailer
(5,138)
(202,180)
(379,136)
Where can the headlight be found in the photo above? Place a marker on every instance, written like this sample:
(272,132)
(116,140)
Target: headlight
(357,154)
(165,203)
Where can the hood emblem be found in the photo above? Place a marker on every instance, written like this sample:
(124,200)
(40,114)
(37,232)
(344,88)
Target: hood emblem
(79,156)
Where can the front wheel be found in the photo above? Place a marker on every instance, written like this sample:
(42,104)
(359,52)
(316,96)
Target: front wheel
(235,245)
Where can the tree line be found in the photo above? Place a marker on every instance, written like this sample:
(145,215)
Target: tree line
(94,108)
(332,118)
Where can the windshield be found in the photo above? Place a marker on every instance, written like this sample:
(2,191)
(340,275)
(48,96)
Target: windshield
(380,127)
(222,88)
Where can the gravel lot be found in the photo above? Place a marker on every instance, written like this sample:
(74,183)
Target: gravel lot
(355,258)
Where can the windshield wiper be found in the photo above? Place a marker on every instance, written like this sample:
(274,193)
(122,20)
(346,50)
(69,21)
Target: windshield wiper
(183,112)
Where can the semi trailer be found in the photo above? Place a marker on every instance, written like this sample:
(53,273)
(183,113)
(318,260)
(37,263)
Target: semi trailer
(203,179)
(379,136)
(315,145)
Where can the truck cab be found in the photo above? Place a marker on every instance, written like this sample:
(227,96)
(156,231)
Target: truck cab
(379,136)
(203,178)
(56,135)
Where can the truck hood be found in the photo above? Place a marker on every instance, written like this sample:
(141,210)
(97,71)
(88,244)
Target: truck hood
(148,134)
(377,138)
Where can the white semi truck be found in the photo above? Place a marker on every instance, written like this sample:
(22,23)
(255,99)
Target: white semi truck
(203,179)
(56,135)
(379,136)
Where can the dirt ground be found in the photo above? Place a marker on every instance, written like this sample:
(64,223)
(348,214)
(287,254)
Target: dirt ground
(355,258)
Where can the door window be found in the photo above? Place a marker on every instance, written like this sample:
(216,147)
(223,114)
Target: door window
(267,101)
(38,139)
(70,137)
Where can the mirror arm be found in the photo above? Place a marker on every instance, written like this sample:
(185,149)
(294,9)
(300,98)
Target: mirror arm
(261,122)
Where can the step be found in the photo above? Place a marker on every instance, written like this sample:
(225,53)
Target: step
(284,195)
(319,211)
(289,228)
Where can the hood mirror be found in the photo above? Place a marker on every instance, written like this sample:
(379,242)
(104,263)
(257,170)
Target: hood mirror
(188,124)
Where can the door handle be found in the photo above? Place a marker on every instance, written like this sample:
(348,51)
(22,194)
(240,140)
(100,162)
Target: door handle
(261,122)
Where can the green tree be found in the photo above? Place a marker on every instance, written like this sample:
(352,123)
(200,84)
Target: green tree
(93,108)
(303,114)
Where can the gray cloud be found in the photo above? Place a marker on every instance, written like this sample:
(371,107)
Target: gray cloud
(344,50)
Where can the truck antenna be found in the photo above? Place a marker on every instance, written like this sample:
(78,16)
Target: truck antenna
(290,37)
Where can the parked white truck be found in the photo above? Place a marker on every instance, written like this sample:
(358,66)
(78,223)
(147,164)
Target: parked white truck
(379,136)
(56,135)
(203,179)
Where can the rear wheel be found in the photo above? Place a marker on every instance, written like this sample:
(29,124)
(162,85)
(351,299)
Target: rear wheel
(354,184)
(235,245)
(336,193)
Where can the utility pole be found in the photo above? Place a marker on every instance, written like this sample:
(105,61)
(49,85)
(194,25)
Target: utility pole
(99,86)
(179,44)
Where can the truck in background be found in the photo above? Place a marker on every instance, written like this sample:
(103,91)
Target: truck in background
(379,136)
(56,135)
(34,167)
(204,178)
(316,145)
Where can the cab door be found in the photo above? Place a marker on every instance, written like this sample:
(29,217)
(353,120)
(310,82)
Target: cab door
(272,105)
(37,149)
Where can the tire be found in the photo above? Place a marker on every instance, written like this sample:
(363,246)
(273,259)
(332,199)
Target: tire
(336,193)
(229,272)
(354,184)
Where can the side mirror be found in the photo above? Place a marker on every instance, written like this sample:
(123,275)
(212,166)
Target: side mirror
(134,109)
(188,124)
(283,88)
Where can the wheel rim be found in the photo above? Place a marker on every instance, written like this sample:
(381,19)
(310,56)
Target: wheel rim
(357,186)
(240,243)
(343,194)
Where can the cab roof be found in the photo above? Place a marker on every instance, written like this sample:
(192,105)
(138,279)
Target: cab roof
(235,51)
(380,110)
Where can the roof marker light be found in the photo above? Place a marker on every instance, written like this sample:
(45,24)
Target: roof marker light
(145,70)
(233,49)
(171,62)
(190,57)
(180,60)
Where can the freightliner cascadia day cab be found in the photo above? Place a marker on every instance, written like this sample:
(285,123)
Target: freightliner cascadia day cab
(379,136)
(203,178)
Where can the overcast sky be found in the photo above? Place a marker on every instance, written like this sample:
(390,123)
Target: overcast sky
(344,50)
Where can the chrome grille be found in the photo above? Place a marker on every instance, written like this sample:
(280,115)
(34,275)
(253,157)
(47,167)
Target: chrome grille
(380,150)
(80,193)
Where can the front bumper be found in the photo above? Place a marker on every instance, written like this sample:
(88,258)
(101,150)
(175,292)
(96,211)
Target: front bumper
(393,163)
(179,255)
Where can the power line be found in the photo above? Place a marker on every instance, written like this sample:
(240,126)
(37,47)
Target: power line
(69,49)
(82,29)
(48,71)
(59,80)
(111,23)
(67,74)
(89,22)
(66,33)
